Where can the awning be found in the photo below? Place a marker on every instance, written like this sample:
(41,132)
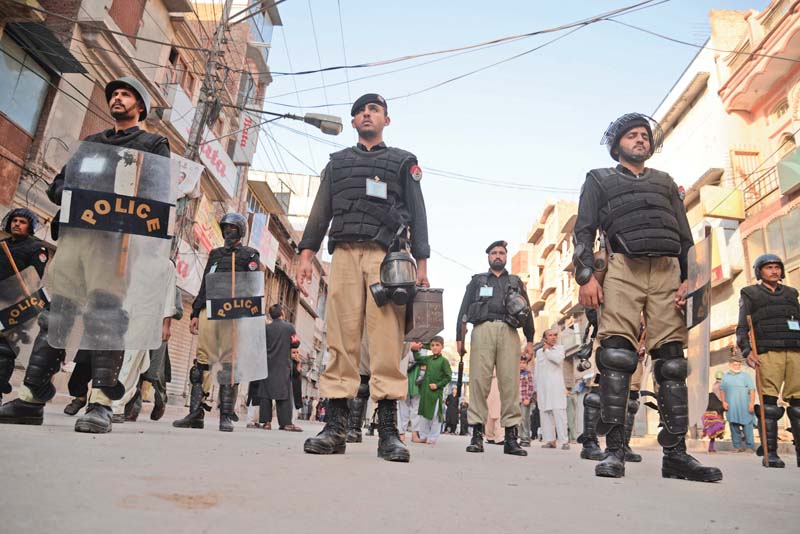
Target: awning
(41,43)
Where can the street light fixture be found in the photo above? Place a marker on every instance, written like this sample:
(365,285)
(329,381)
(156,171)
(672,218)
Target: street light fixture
(328,124)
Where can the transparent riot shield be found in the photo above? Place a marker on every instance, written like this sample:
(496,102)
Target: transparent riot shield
(698,309)
(109,276)
(235,313)
(22,297)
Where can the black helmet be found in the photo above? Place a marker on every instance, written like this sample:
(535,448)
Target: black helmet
(21,212)
(766,259)
(617,129)
(236,219)
(136,87)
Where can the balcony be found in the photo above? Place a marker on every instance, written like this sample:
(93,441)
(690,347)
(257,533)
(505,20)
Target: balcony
(536,233)
(722,202)
(570,340)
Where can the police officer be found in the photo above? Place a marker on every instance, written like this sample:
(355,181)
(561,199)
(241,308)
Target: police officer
(368,194)
(215,341)
(775,314)
(496,303)
(128,103)
(25,251)
(648,237)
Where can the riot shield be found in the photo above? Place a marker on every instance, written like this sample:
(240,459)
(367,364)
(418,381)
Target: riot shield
(698,308)
(109,276)
(22,297)
(235,313)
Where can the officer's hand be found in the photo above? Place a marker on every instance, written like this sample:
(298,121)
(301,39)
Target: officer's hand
(422,273)
(194,326)
(591,293)
(752,360)
(460,348)
(680,295)
(529,350)
(304,271)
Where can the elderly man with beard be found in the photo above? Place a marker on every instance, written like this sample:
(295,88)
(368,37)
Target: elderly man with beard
(496,303)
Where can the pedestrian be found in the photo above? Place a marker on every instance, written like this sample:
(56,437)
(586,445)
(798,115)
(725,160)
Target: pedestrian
(370,195)
(215,340)
(451,412)
(738,398)
(526,401)
(775,313)
(437,375)
(277,387)
(82,276)
(496,303)
(297,386)
(713,421)
(647,237)
(551,393)
(463,422)
(408,408)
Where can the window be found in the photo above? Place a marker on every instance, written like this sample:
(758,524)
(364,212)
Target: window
(754,243)
(775,238)
(791,235)
(779,111)
(23,85)
(128,16)
(786,145)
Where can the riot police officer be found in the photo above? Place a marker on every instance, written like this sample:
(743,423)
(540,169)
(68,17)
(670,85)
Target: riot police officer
(496,303)
(775,314)
(25,251)
(370,195)
(214,344)
(129,104)
(648,238)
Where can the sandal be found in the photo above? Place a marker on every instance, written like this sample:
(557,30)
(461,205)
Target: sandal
(291,428)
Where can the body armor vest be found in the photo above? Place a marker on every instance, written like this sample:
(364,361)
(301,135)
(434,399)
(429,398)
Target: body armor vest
(138,140)
(478,310)
(357,216)
(637,213)
(771,312)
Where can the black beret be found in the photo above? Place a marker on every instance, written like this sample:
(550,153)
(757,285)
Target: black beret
(369,98)
(500,243)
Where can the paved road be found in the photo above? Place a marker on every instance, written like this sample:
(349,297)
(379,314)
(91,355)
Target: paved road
(149,477)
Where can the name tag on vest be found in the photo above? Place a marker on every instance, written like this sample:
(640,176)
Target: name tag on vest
(110,212)
(23,311)
(377,189)
(234,308)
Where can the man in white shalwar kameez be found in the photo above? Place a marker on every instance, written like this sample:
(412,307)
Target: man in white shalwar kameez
(551,393)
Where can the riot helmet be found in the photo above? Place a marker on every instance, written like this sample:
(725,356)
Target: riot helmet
(237,221)
(33,220)
(766,259)
(619,127)
(136,87)
(398,274)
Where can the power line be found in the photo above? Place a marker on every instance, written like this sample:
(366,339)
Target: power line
(296,93)
(344,49)
(319,57)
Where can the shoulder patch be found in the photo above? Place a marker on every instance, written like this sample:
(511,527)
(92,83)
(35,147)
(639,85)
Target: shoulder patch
(416,173)
(253,265)
(42,257)
(681,192)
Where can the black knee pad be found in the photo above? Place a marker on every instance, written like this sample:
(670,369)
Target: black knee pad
(773,412)
(617,359)
(617,367)
(196,372)
(793,412)
(668,351)
(591,400)
(670,370)
(770,400)
(617,342)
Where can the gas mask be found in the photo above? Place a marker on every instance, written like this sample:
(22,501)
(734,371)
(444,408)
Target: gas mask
(584,353)
(516,306)
(398,275)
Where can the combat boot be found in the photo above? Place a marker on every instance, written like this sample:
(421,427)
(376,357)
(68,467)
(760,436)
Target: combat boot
(357,408)
(613,463)
(227,401)
(772,415)
(390,447)
(630,456)
(333,438)
(676,463)
(20,412)
(476,443)
(511,445)
(96,420)
(197,409)
(794,420)
(590,449)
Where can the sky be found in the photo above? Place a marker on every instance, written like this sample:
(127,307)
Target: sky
(536,120)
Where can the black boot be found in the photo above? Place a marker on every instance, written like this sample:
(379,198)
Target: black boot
(591,414)
(476,443)
(75,405)
(106,365)
(357,408)
(333,438)
(678,464)
(96,420)
(772,414)
(794,419)
(227,406)
(19,412)
(197,409)
(633,407)
(511,445)
(7,357)
(613,463)
(134,406)
(389,445)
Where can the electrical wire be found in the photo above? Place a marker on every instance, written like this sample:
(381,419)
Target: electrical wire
(319,57)
(297,96)
(344,49)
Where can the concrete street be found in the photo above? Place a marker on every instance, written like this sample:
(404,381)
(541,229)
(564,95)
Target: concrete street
(149,477)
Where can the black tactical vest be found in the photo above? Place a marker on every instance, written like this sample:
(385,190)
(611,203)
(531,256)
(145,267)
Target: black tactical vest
(771,313)
(478,310)
(138,140)
(356,216)
(637,213)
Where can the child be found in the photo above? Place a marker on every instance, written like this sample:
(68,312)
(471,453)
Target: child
(713,422)
(437,376)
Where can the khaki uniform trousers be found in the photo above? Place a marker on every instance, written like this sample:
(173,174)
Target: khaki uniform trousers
(350,312)
(214,345)
(642,285)
(781,367)
(494,345)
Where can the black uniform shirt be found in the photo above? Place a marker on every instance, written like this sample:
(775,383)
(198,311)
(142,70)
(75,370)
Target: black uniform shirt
(219,260)
(497,310)
(26,252)
(588,220)
(322,211)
